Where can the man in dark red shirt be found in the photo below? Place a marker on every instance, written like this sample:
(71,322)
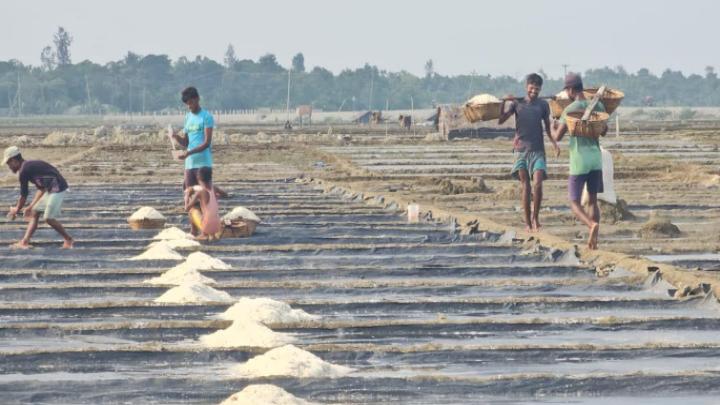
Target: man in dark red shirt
(48,200)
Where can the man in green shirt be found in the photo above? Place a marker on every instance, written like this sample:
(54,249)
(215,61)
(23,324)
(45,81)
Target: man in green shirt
(585,160)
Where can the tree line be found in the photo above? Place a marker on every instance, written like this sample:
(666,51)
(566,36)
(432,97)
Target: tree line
(152,83)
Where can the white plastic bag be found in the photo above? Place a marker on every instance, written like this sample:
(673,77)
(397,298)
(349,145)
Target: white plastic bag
(608,171)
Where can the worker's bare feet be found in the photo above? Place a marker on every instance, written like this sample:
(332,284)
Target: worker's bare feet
(528,228)
(536,225)
(20,245)
(68,244)
(593,238)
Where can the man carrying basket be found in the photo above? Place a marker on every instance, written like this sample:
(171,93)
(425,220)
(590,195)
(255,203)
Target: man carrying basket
(531,113)
(585,159)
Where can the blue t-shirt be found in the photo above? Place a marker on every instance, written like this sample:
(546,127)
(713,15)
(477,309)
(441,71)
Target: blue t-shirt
(195,125)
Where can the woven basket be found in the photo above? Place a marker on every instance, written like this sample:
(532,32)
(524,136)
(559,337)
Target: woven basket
(611,99)
(558,105)
(238,228)
(592,128)
(146,223)
(482,112)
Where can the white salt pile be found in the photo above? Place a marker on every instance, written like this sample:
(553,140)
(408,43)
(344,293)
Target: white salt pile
(191,293)
(160,251)
(173,233)
(483,99)
(146,213)
(267,311)
(246,334)
(203,261)
(290,361)
(189,270)
(241,212)
(178,243)
(180,275)
(265,394)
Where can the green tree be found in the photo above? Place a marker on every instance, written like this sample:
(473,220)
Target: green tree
(298,63)
(62,41)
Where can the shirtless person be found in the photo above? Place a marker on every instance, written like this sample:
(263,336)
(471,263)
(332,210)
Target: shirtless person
(48,200)
(531,113)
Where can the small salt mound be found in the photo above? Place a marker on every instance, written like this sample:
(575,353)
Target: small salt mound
(562,95)
(179,275)
(178,243)
(290,361)
(267,311)
(241,212)
(483,99)
(265,394)
(190,293)
(202,261)
(160,251)
(173,233)
(246,334)
(146,213)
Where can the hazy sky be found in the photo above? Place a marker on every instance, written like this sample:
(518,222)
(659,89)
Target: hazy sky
(495,37)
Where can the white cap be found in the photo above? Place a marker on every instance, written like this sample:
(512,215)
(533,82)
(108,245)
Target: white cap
(10,153)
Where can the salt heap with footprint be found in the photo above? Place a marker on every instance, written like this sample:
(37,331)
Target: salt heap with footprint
(146,213)
(267,311)
(250,316)
(175,238)
(193,293)
(189,271)
(160,251)
(172,233)
(246,334)
(265,394)
(289,361)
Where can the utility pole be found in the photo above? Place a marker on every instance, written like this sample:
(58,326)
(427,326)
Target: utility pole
(387,115)
(287,106)
(18,97)
(565,66)
(87,91)
(472,79)
(372,77)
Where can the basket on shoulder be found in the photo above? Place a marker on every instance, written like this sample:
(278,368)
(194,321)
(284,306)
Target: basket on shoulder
(594,127)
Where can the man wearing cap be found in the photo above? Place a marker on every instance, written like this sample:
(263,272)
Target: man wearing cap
(585,160)
(48,199)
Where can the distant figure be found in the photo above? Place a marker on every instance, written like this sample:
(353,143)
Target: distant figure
(436,120)
(48,200)
(204,221)
(288,125)
(585,160)
(405,121)
(531,114)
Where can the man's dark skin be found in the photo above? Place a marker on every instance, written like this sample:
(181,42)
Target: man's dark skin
(193,105)
(532,222)
(32,216)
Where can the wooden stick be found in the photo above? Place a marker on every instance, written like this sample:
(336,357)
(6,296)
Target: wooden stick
(593,103)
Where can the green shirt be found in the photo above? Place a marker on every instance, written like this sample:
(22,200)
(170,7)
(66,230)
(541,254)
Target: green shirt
(584,152)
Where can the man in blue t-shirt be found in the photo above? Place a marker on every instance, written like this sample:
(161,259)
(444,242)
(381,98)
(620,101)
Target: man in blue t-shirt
(198,129)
